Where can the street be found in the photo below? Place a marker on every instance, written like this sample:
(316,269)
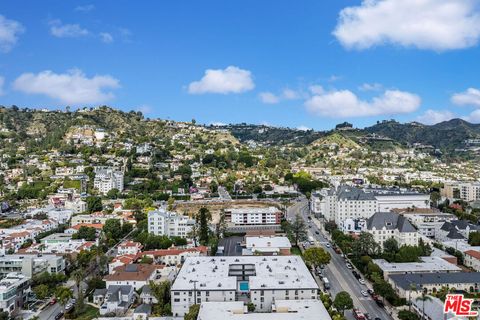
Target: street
(339,276)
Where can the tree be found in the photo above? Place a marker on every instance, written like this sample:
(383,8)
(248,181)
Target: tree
(41,291)
(113,229)
(203,217)
(63,295)
(192,312)
(365,246)
(87,233)
(78,276)
(316,256)
(390,249)
(161,291)
(330,226)
(298,230)
(343,301)
(250,307)
(407,315)
(435,197)
(94,204)
(474,238)
(113,193)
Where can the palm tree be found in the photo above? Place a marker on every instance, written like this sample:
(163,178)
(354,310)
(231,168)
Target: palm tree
(424,298)
(63,295)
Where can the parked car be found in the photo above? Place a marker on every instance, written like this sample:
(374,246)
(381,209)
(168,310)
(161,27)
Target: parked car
(370,292)
(328,245)
(361,281)
(349,266)
(364,293)
(53,301)
(59,316)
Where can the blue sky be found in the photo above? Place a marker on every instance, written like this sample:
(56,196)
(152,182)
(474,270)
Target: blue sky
(308,64)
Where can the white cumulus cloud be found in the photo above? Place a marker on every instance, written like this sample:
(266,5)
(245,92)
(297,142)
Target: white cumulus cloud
(370,87)
(469,97)
(229,80)
(303,128)
(426,24)
(435,116)
(60,30)
(9,32)
(72,87)
(473,117)
(344,103)
(106,37)
(269,98)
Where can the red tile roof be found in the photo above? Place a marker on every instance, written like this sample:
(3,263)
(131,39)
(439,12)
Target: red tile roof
(473,253)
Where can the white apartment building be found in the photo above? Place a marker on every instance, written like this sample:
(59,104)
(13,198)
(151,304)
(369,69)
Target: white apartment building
(472,259)
(386,225)
(77,206)
(467,191)
(428,223)
(31,264)
(260,280)
(281,310)
(253,216)
(13,292)
(93,218)
(162,222)
(107,178)
(348,202)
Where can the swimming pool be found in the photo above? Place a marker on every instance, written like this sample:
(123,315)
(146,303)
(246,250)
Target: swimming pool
(243,286)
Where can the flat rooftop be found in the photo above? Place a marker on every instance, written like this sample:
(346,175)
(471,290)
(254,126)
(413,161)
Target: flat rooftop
(285,310)
(253,210)
(428,264)
(439,279)
(267,242)
(265,273)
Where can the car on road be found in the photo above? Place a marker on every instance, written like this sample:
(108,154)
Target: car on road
(361,281)
(59,316)
(349,266)
(327,245)
(316,232)
(364,293)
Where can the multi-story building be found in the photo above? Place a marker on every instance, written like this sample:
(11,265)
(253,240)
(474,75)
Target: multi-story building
(260,280)
(107,178)
(281,309)
(129,247)
(93,218)
(426,264)
(386,225)
(254,216)
(348,202)
(162,222)
(467,191)
(472,259)
(31,264)
(272,245)
(431,282)
(77,206)
(428,223)
(13,292)
(175,256)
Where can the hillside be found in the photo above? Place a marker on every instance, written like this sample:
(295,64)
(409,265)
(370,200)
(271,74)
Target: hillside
(447,135)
